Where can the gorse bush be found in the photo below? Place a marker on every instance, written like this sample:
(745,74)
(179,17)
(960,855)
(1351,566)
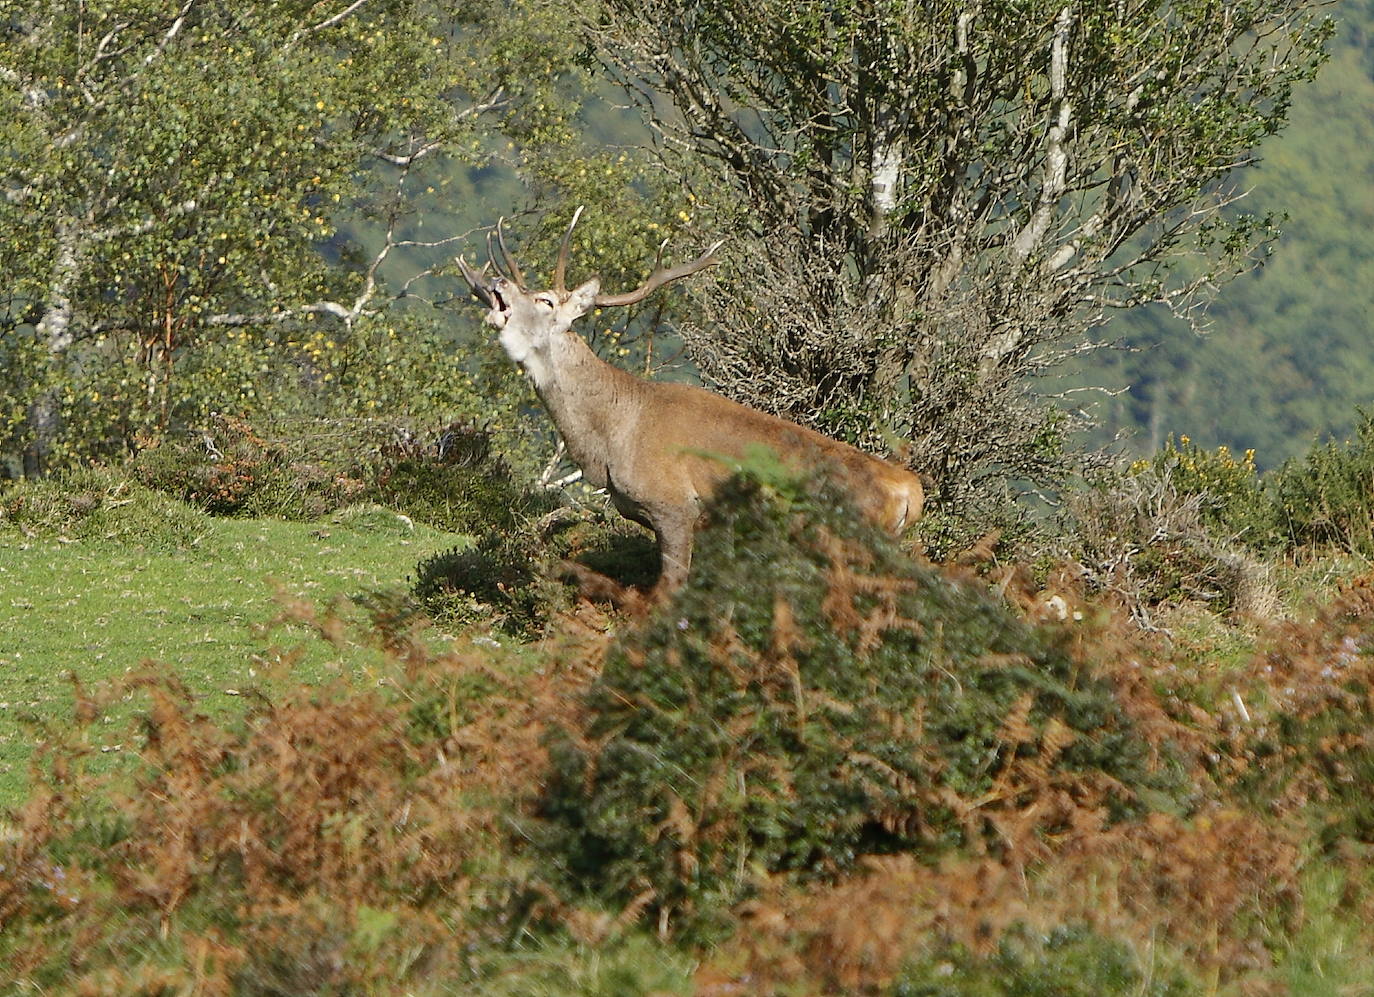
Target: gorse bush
(1327,498)
(1187,524)
(813,695)
(235,471)
(514,578)
(1321,500)
(1146,542)
(1230,493)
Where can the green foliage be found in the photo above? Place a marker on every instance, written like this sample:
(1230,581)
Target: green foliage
(455,494)
(633,967)
(1327,498)
(206,202)
(1147,543)
(810,696)
(1065,962)
(103,505)
(305,469)
(241,474)
(1321,960)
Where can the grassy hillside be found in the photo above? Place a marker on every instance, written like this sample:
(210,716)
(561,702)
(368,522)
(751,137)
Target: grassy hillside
(826,766)
(99,609)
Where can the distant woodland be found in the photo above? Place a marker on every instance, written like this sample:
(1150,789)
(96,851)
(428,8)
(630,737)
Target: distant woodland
(1289,352)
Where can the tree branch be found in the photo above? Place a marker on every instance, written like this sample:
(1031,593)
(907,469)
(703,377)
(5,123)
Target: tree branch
(324,25)
(1056,156)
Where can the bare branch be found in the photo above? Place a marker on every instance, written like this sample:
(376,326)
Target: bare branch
(327,23)
(172,31)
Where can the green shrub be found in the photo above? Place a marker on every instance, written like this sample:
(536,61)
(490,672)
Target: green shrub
(1066,962)
(811,695)
(367,517)
(100,504)
(499,579)
(1328,496)
(233,470)
(306,469)
(515,577)
(1324,499)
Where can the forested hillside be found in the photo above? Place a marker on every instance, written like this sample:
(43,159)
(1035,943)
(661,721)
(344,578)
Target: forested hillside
(1290,351)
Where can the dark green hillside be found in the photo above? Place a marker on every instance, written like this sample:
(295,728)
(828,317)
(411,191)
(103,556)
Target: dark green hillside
(1290,353)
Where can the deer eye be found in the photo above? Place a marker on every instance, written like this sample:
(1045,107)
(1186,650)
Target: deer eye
(545,301)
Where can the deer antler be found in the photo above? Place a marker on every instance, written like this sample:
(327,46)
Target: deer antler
(661,276)
(560,269)
(512,268)
(477,280)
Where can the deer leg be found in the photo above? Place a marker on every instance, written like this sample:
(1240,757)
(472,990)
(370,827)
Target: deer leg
(675,553)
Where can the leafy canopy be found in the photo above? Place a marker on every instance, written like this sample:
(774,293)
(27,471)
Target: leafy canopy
(192,192)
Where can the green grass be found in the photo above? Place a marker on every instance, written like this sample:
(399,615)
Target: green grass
(98,610)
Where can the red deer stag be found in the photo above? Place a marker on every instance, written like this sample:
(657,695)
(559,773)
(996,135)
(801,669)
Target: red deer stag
(656,447)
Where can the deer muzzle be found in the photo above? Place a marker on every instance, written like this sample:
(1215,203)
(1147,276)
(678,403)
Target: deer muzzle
(482,285)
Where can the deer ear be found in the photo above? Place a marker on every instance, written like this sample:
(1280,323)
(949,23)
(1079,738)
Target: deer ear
(581,299)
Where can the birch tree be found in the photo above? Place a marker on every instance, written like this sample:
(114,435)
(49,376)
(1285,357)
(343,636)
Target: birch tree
(930,204)
(183,182)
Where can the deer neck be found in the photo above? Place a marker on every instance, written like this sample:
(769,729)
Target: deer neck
(592,403)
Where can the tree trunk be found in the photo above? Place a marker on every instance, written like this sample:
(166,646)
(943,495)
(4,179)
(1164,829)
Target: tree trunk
(54,330)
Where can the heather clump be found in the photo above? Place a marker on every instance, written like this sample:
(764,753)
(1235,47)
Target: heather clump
(814,695)
(100,505)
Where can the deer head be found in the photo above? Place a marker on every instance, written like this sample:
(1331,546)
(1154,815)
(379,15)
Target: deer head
(527,319)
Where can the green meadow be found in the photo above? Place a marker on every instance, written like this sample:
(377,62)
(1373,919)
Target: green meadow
(96,609)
